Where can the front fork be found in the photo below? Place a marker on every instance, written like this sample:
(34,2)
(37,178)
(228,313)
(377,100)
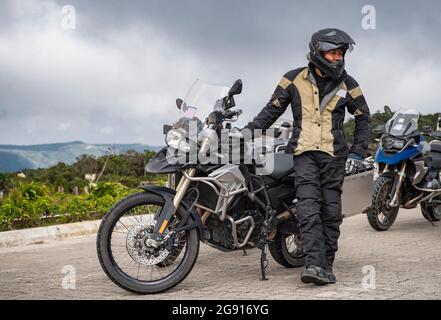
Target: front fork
(168,211)
(182,187)
(165,217)
(397,186)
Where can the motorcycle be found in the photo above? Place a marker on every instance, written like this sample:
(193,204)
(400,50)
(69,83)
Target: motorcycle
(149,241)
(404,163)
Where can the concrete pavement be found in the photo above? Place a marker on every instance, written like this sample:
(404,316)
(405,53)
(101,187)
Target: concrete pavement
(402,263)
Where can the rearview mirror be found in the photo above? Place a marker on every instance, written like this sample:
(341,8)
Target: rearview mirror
(236,88)
(388,110)
(179,103)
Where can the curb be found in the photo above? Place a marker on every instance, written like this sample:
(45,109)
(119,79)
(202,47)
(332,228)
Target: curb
(40,235)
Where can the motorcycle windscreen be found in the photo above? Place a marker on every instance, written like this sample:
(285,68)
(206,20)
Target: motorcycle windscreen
(403,122)
(357,193)
(201,99)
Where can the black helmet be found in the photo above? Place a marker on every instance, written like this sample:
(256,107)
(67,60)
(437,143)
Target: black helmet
(329,39)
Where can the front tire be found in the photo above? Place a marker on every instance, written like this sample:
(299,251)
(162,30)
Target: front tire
(113,243)
(287,250)
(381,216)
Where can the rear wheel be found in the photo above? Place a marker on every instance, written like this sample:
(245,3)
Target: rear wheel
(286,249)
(431,212)
(381,216)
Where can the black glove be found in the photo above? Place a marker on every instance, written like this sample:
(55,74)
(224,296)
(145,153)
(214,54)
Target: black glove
(353,163)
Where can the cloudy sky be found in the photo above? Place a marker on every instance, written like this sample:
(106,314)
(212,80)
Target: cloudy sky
(115,76)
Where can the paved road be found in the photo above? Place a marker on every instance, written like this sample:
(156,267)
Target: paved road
(402,263)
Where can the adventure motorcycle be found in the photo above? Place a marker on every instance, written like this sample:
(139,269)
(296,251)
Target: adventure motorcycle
(149,241)
(405,163)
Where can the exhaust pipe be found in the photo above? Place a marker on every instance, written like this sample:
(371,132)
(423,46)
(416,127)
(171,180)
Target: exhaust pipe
(285,215)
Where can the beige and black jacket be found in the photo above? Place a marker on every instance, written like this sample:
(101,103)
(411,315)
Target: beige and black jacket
(318,126)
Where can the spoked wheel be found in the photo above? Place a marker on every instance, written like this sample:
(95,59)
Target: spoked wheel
(130,256)
(287,250)
(431,212)
(175,252)
(381,216)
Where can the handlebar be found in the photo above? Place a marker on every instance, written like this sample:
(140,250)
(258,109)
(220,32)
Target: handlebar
(227,114)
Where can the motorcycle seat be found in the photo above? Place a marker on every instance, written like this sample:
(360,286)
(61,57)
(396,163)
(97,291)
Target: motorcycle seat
(435,154)
(283,165)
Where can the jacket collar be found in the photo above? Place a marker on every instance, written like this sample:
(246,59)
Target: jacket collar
(307,74)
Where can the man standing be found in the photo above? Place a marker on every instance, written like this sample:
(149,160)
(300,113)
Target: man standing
(319,95)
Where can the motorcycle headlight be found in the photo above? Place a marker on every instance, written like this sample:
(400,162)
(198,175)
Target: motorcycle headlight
(391,143)
(207,133)
(184,146)
(175,139)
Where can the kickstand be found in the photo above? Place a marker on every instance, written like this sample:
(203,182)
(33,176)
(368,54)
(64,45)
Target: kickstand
(264,262)
(431,222)
(245,253)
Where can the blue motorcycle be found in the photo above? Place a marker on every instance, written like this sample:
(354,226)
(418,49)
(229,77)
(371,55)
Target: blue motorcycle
(407,171)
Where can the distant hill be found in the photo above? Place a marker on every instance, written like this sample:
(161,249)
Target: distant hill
(15,158)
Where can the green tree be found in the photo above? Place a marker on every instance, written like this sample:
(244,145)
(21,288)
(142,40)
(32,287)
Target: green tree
(86,164)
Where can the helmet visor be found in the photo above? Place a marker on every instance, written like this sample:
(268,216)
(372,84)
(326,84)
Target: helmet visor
(326,46)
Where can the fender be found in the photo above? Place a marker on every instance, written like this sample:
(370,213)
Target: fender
(396,157)
(159,163)
(168,194)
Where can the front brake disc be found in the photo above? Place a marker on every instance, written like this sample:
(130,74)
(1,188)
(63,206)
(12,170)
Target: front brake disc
(141,248)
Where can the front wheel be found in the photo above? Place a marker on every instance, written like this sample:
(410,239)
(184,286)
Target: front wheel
(286,249)
(431,212)
(381,216)
(132,259)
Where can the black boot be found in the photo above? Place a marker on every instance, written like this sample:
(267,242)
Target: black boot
(317,275)
(331,276)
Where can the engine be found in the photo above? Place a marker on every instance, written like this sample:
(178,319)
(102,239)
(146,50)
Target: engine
(219,233)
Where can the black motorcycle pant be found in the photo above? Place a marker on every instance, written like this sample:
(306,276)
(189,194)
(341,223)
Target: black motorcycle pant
(319,179)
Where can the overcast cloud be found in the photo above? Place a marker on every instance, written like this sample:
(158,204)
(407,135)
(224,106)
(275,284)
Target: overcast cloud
(114,79)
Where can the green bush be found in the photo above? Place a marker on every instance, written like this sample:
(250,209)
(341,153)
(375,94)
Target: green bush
(34,200)
(27,203)
(31,204)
